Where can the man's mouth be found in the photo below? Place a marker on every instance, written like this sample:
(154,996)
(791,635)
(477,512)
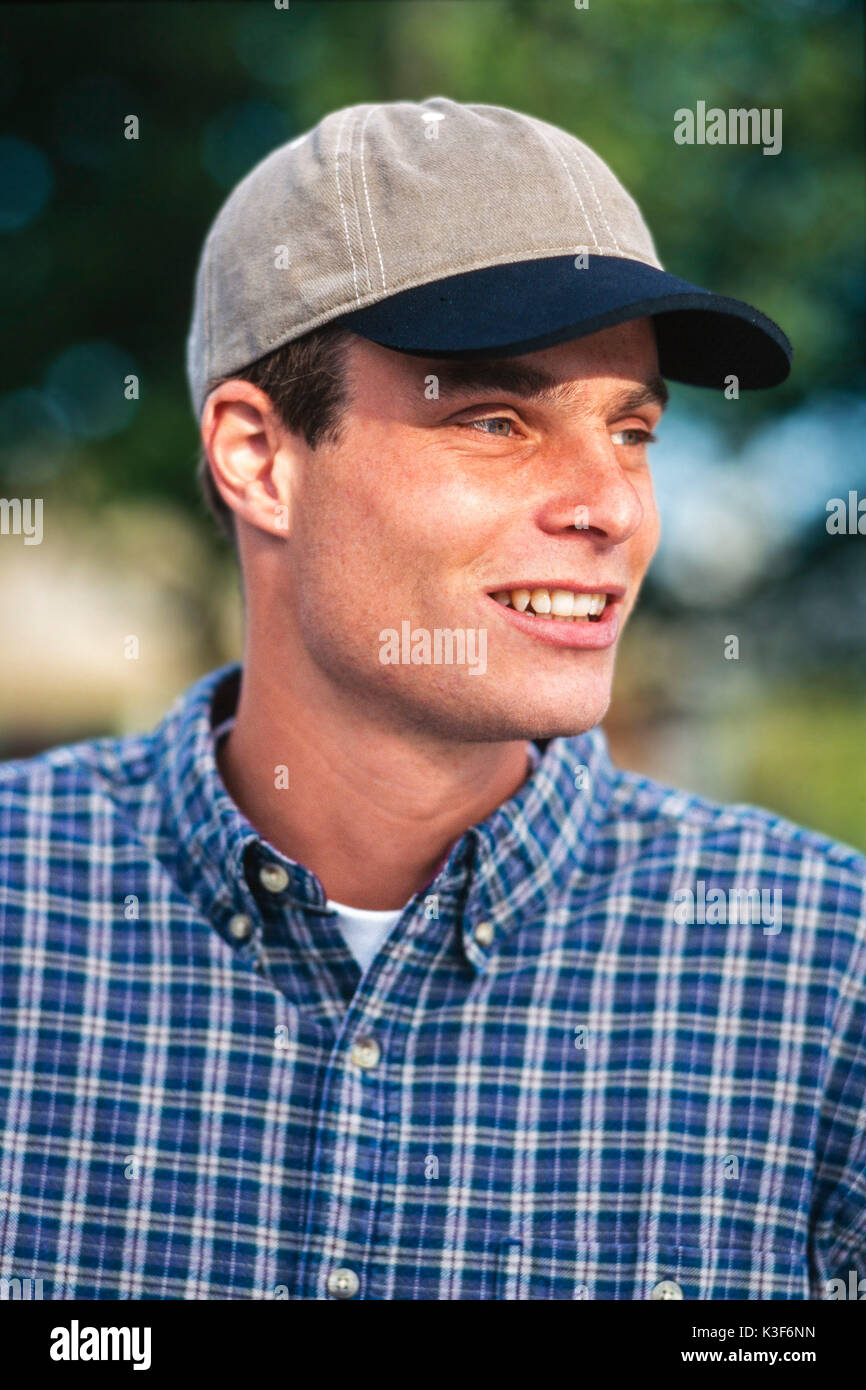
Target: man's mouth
(560,605)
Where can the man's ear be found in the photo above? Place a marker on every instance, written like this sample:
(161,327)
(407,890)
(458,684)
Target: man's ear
(251,455)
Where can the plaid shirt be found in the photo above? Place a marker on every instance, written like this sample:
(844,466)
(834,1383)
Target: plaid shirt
(547,1085)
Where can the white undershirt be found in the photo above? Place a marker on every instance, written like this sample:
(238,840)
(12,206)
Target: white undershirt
(363,929)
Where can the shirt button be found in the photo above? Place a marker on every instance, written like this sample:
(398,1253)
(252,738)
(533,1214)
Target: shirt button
(366,1054)
(240,926)
(343,1283)
(667,1288)
(484,933)
(273,877)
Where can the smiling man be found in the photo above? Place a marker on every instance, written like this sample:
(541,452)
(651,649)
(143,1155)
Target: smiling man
(452,512)
(376,979)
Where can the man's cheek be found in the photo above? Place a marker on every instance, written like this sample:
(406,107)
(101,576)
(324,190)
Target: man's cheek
(645,543)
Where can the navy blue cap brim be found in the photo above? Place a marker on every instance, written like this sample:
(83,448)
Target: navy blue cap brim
(503,310)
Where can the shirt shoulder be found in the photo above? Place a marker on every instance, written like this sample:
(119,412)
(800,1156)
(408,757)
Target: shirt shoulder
(76,800)
(657,811)
(676,851)
(85,826)
(116,767)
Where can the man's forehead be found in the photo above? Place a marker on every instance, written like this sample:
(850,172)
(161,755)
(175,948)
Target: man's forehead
(531,381)
(624,357)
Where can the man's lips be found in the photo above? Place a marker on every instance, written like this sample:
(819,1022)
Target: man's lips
(614,591)
(592,631)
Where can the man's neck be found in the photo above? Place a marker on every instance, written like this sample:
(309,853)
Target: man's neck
(372,813)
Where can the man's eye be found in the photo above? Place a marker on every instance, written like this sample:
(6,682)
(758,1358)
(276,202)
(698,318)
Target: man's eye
(633,437)
(495,421)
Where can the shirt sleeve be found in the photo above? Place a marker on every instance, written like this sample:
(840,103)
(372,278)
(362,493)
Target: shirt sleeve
(839,1206)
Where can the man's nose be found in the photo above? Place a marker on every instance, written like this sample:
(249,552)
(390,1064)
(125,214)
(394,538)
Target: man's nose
(590,490)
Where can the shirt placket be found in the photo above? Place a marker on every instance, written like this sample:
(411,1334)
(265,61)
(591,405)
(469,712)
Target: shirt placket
(348,1240)
(351,1151)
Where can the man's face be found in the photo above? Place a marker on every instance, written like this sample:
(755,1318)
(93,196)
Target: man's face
(524,473)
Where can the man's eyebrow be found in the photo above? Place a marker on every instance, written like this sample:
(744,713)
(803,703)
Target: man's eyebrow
(494,374)
(533,383)
(653,393)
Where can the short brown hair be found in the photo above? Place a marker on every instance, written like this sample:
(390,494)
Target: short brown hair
(306,381)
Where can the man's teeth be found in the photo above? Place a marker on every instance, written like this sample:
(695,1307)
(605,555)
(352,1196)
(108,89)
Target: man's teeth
(553,603)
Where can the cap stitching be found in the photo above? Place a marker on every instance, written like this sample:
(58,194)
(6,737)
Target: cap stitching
(543,137)
(361,237)
(601,210)
(367,195)
(343,206)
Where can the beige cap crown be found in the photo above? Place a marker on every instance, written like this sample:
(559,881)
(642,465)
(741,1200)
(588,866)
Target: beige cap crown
(377,199)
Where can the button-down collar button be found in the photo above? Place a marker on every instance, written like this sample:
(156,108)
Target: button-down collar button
(484,933)
(366,1053)
(343,1283)
(273,877)
(240,926)
(667,1288)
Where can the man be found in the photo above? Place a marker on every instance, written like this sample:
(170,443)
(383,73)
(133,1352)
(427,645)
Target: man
(367,975)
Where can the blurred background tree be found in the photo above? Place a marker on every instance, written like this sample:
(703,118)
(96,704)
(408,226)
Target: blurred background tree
(102,236)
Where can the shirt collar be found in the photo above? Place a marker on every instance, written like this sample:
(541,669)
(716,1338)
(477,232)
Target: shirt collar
(503,870)
(213,837)
(538,844)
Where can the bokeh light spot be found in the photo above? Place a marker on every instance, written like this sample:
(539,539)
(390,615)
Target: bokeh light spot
(33,433)
(87,384)
(26,183)
(240,136)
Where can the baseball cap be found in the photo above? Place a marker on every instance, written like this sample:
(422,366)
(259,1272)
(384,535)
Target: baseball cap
(444,229)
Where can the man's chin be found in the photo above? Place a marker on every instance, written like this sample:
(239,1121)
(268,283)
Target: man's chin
(562,727)
(545,714)
(531,722)
(464,710)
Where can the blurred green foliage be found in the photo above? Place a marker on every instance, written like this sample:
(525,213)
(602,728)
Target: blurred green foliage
(807,752)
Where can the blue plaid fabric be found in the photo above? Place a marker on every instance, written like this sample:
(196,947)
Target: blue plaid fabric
(562,1089)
